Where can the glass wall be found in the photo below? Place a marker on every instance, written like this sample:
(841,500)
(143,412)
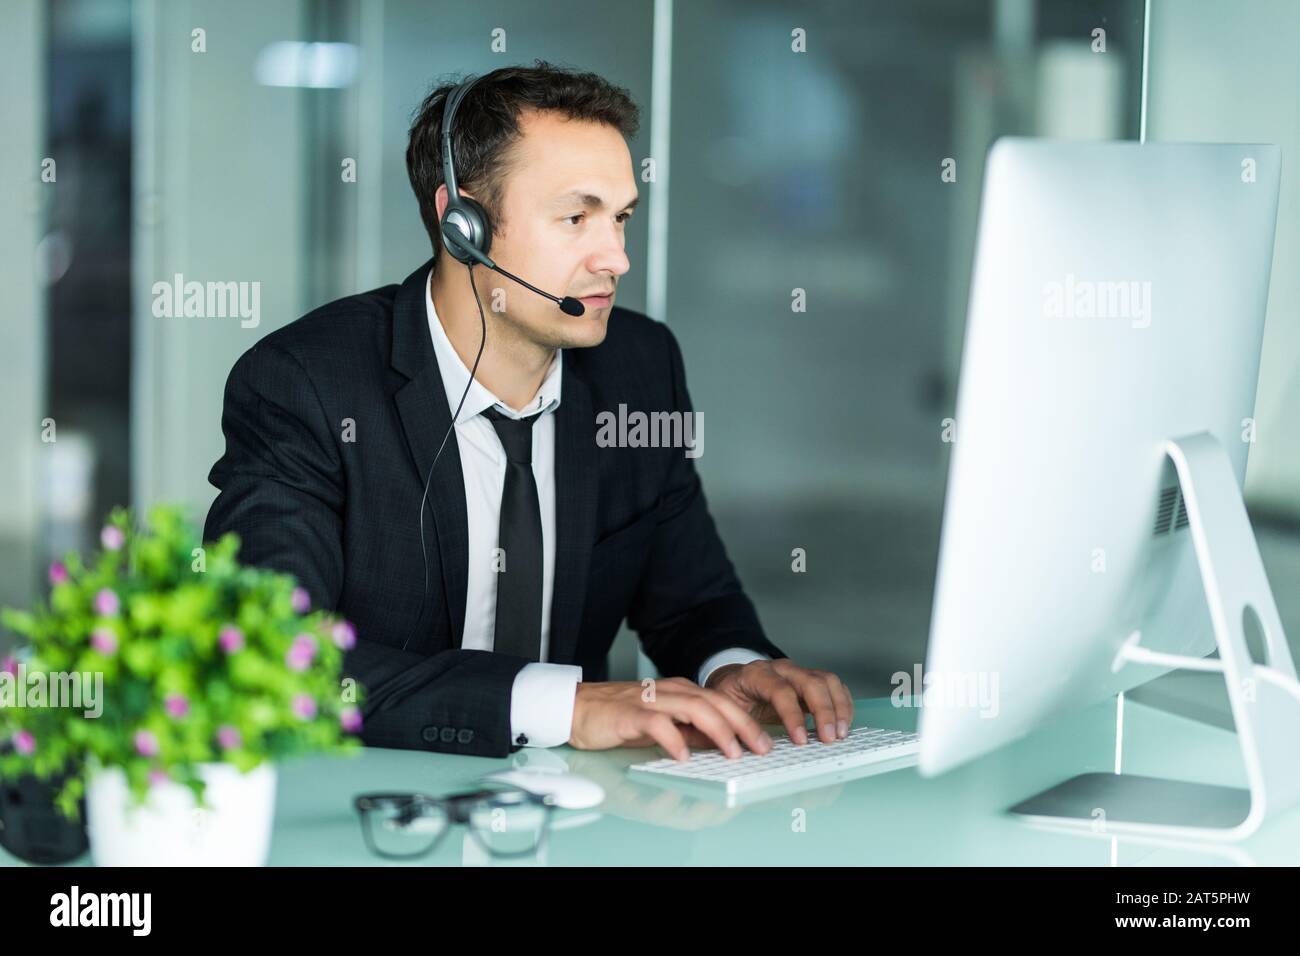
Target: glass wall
(827,160)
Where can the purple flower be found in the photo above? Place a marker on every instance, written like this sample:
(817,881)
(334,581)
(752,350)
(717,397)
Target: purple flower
(304,706)
(9,666)
(301,600)
(58,573)
(302,653)
(104,640)
(24,742)
(350,720)
(112,537)
(158,777)
(228,737)
(177,705)
(146,744)
(232,639)
(345,635)
(106,603)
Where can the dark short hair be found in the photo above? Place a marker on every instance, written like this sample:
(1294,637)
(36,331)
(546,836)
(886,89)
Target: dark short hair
(487,126)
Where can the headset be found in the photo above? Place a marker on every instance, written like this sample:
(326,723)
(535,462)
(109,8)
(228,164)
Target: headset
(465,227)
(466,231)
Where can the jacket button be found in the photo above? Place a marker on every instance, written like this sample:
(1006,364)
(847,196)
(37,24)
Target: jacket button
(448,734)
(465,736)
(429,733)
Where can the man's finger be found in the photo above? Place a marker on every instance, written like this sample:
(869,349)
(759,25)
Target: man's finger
(785,701)
(843,703)
(695,710)
(747,728)
(817,698)
(660,728)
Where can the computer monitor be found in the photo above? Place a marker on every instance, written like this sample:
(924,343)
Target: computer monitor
(1104,416)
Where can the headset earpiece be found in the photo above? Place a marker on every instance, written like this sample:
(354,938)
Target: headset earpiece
(463,215)
(470,221)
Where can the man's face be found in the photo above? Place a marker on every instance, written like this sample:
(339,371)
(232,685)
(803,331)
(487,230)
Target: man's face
(569,190)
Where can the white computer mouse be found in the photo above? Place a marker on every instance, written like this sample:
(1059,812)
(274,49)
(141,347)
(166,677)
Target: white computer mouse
(569,790)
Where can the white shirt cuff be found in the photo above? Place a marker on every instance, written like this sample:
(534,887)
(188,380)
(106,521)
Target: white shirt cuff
(541,704)
(732,655)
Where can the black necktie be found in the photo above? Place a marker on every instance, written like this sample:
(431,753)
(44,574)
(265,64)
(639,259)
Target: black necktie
(519,586)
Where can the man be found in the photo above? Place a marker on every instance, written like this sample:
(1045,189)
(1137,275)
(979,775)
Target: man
(539,540)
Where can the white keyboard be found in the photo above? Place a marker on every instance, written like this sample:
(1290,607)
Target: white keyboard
(786,763)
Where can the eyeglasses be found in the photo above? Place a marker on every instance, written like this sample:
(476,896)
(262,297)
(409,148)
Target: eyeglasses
(504,821)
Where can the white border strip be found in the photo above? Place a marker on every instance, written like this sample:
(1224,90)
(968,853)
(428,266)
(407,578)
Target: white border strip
(661,88)
(1146,69)
(370,144)
(1119,733)
(145,187)
(656,283)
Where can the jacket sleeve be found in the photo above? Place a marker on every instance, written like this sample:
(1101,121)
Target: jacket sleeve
(689,604)
(282,489)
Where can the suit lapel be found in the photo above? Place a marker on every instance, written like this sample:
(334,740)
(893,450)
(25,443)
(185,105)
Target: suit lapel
(422,408)
(576,489)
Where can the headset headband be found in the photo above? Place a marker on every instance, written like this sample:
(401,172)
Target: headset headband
(450,105)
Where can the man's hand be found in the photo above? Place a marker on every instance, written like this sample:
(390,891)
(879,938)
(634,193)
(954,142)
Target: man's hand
(673,712)
(779,691)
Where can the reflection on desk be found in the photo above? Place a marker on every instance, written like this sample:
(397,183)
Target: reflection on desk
(895,819)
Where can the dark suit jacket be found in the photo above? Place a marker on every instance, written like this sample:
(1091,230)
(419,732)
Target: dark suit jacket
(634,538)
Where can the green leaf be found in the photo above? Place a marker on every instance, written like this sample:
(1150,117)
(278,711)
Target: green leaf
(167,637)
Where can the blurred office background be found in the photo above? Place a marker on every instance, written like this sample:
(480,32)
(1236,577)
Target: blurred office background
(209,139)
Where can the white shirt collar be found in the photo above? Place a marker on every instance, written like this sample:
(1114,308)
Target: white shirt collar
(455,375)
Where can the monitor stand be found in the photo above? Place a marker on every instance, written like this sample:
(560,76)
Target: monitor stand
(1265,698)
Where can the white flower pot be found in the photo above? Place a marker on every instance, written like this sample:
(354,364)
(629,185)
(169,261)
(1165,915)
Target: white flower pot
(169,829)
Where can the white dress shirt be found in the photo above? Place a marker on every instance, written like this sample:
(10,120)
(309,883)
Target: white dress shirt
(541,701)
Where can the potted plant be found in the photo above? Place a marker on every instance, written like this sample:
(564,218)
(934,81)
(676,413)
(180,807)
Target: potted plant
(31,827)
(210,674)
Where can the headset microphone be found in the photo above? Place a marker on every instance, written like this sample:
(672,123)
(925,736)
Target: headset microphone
(453,236)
